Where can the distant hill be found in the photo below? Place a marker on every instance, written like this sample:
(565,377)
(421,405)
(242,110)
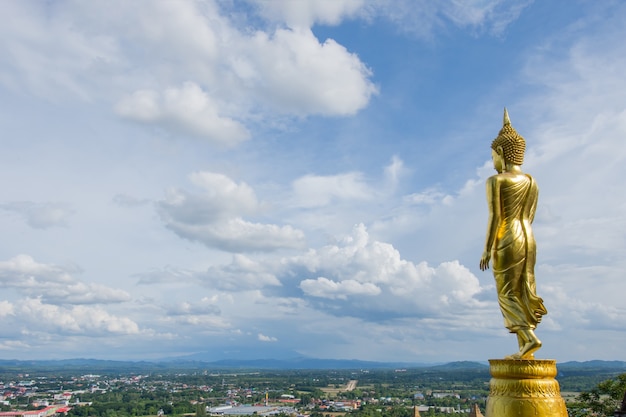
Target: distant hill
(81,365)
(109,366)
(465,365)
(96,365)
(596,364)
(304,363)
(606,369)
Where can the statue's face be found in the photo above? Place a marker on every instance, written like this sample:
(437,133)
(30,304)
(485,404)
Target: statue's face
(497,161)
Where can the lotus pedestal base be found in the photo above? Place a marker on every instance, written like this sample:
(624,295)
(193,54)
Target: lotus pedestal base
(524,388)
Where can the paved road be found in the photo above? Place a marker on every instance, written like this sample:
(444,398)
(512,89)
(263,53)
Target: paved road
(351,385)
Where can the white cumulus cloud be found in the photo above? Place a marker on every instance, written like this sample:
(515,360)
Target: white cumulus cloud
(188,109)
(54,283)
(241,274)
(187,67)
(264,338)
(296,74)
(73,320)
(326,288)
(363,276)
(214,217)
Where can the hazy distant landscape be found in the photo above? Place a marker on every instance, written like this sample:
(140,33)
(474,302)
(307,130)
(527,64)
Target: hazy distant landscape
(565,368)
(314,387)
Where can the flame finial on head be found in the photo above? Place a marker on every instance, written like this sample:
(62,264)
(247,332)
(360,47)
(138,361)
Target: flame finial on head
(505,119)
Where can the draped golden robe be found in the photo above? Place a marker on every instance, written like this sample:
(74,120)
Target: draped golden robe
(514,253)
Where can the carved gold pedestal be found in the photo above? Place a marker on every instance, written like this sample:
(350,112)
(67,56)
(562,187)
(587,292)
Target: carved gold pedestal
(524,388)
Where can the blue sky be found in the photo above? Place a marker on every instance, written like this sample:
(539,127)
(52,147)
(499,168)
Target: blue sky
(271,179)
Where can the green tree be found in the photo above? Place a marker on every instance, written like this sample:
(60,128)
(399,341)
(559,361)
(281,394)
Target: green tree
(305,399)
(603,400)
(200,410)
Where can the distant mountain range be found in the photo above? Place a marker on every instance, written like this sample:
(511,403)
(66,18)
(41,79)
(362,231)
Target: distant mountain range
(280,364)
(305,363)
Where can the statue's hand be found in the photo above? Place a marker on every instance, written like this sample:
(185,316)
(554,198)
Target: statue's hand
(484,260)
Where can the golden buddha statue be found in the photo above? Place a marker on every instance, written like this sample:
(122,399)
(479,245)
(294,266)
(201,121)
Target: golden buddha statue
(510,244)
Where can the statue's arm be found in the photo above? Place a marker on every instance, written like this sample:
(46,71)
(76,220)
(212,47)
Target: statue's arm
(534,195)
(493,202)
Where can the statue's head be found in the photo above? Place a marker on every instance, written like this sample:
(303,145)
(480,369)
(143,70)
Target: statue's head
(509,144)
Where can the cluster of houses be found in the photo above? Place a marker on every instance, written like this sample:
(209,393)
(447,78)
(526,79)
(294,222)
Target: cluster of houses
(58,405)
(51,410)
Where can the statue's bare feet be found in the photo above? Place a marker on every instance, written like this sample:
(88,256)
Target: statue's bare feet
(531,346)
(529,349)
(515,356)
(520,355)
(528,345)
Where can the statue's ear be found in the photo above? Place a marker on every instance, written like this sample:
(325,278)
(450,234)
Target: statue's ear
(500,151)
